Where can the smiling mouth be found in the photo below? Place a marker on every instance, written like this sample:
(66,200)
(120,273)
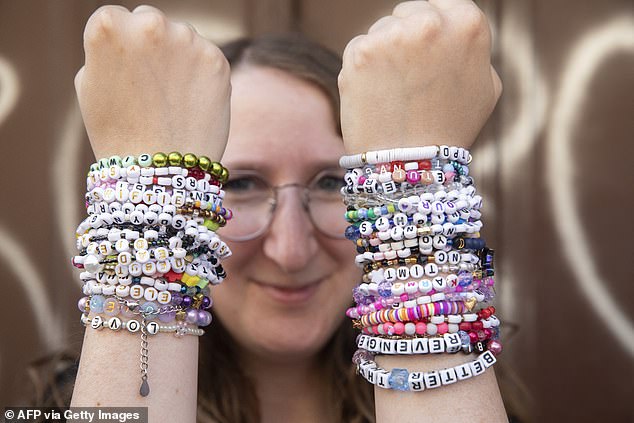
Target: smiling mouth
(290,295)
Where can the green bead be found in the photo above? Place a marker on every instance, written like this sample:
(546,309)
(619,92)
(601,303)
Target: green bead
(175,158)
(159,159)
(145,160)
(224,176)
(204,162)
(190,160)
(371,214)
(128,161)
(216,169)
(211,225)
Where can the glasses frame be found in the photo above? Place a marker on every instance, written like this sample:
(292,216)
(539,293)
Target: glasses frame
(273,202)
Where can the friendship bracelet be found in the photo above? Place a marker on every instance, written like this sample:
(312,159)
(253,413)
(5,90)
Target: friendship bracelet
(405,154)
(175,159)
(402,380)
(133,326)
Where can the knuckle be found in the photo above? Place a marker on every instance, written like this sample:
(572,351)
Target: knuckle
(426,26)
(213,56)
(473,22)
(152,24)
(99,24)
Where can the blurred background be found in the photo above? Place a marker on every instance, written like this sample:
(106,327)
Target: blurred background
(554,164)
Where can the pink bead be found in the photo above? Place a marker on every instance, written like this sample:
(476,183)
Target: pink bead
(375,330)
(449,176)
(388,328)
(443,327)
(494,346)
(399,328)
(473,337)
(413,176)
(404,297)
(378,306)
(421,328)
(362,179)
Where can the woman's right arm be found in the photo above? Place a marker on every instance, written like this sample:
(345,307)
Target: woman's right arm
(148,85)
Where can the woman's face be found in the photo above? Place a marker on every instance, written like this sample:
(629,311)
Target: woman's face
(287,290)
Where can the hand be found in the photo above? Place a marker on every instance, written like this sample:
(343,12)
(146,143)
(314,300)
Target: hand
(420,76)
(151,85)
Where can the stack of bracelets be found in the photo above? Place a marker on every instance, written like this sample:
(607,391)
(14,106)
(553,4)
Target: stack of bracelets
(148,248)
(428,276)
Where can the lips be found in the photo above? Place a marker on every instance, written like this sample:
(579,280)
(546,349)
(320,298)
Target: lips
(290,295)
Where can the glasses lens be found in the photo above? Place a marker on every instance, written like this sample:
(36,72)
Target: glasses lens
(325,203)
(249,198)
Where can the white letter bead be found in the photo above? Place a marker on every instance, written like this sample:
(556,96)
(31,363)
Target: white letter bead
(133,326)
(487,358)
(432,379)
(477,368)
(382,378)
(436,345)
(96,322)
(152,328)
(415,381)
(463,371)
(448,376)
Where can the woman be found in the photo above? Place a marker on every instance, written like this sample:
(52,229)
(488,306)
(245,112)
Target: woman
(290,279)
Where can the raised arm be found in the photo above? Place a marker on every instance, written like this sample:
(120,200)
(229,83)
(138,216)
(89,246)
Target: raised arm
(423,76)
(148,85)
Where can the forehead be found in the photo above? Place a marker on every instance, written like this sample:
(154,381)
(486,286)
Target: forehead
(280,125)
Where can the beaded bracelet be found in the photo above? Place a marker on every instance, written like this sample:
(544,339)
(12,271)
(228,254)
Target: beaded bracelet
(188,161)
(133,326)
(406,154)
(402,380)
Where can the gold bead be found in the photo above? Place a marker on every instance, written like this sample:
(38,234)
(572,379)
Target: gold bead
(224,176)
(190,160)
(216,169)
(204,162)
(180,315)
(159,160)
(175,158)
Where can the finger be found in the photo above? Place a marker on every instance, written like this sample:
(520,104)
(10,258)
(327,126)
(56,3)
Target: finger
(347,56)
(384,22)
(451,4)
(145,8)
(409,8)
(497,83)
(104,21)
(183,31)
(78,78)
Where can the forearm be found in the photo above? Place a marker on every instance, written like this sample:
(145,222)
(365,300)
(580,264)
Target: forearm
(109,374)
(476,399)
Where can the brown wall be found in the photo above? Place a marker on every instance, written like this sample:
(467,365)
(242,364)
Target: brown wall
(554,164)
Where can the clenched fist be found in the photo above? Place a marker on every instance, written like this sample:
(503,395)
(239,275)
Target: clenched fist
(151,85)
(420,76)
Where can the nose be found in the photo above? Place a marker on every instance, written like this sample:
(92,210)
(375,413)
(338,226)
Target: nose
(290,241)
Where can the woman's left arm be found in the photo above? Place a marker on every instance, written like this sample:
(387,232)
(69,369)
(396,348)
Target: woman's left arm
(423,76)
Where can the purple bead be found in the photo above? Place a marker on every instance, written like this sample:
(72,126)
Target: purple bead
(207,302)
(167,317)
(385,289)
(177,299)
(204,318)
(187,301)
(192,316)
(81,304)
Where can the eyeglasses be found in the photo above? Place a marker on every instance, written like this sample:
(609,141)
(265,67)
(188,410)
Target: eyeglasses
(253,200)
